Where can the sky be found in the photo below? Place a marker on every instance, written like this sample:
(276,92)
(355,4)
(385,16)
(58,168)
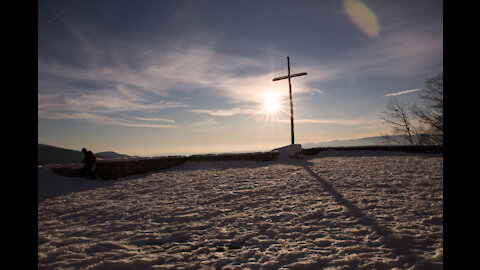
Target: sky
(178,77)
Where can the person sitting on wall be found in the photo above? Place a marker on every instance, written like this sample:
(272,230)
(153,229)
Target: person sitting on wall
(89,161)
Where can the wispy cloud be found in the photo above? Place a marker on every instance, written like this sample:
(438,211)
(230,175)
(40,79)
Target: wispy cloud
(230,112)
(332,121)
(148,125)
(402,92)
(102,119)
(204,123)
(135,76)
(399,50)
(155,119)
(104,108)
(62,12)
(139,71)
(102,102)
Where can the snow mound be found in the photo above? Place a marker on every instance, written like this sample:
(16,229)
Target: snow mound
(288,151)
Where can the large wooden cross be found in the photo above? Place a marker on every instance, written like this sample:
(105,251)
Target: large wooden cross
(290,89)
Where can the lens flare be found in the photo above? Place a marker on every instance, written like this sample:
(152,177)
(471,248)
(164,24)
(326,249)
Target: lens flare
(362,16)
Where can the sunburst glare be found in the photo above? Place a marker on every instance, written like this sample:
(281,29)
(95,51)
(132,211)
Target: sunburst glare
(271,102)
(272,108)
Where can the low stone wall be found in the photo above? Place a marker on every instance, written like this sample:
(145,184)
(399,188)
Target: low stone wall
(114,169)
(260,156)
(117,169)
(67,171)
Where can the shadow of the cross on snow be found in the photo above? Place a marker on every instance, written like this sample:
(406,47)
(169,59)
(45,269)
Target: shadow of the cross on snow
(401,246)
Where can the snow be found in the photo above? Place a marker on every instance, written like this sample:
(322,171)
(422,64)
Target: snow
(287,151)
(335,210)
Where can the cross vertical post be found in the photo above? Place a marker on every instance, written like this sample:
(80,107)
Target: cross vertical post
(290,92)
(291,102)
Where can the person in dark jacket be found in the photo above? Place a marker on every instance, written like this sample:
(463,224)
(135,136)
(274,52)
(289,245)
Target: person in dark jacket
(89,161)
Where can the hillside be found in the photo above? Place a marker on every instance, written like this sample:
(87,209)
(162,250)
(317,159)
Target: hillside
(368,141)
(111,155)
(48,154)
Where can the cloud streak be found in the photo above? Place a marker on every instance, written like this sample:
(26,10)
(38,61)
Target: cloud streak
(148,125)
(155,119)
(402,92)
(62,12)
(332,121)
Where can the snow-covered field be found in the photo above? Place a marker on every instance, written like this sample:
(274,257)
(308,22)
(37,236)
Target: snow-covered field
(338,210)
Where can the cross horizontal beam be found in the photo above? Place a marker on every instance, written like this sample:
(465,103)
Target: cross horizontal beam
(290,76)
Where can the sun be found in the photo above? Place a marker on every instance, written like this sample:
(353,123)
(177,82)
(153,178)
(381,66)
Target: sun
(271,102)
(271,105)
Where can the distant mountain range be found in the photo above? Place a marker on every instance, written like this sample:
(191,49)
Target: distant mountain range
(368,141)
(48,154)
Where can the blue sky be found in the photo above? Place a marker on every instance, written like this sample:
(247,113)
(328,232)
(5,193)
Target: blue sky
(184,77)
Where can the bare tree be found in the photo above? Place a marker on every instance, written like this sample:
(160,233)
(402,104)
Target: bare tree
(428,128)
(398,117)
(431,116)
